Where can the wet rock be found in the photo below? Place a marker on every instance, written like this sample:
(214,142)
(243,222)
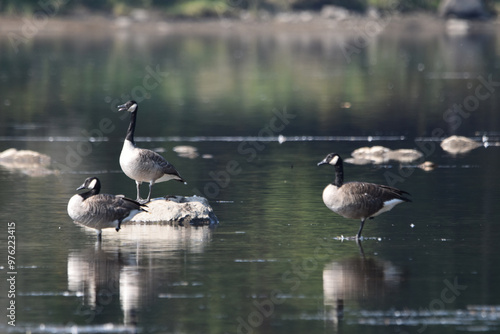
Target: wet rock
(464,9)
(381,154)
(182,210)
(459,144)
(375,154)
(404,155)
(26,161)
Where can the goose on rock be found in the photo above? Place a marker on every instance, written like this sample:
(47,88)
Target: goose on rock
(140,164)
(98,211)
(358,200)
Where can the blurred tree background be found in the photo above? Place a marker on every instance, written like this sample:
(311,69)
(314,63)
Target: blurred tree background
(207,8)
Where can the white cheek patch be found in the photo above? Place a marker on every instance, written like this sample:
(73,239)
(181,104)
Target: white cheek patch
(334,160)
(92,184)
(132,108)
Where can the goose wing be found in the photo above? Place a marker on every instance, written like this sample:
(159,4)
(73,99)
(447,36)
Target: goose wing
(363,200)
(111,207)
(159,162)
(389,193)
(371,192)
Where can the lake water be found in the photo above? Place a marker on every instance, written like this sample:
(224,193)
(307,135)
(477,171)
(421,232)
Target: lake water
(277,262)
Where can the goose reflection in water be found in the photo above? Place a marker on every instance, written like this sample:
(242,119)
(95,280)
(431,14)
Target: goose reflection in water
(119,276)
(357,279)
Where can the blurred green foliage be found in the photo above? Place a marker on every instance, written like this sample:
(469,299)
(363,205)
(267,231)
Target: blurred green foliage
(203,8)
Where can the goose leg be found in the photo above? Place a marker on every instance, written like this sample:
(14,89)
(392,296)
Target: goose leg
(149,194)
(99,235)
(360,228)
(118,226)
(137,183)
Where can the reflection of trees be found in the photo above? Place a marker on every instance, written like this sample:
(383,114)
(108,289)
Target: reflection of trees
(253,73)
(188,8)
(118,276)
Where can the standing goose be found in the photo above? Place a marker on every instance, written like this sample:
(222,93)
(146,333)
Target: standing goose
(100,211)
(140,164)
(358,200)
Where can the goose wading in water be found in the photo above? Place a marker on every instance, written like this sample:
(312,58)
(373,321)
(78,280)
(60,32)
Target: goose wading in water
(140,164)
(98,211)
(358,200)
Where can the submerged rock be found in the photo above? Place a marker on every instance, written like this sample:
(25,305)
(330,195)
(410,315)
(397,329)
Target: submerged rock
(26,161)
(459,144)
(186,151)
(427,166)
(193,210)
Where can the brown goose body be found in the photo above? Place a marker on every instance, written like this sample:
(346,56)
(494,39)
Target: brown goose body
(99,211)
(358,200)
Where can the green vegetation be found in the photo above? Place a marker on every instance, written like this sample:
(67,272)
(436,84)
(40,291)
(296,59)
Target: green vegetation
(208,8)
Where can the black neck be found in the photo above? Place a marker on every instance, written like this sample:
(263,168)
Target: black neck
(90,193)
(131,127)
(339,174)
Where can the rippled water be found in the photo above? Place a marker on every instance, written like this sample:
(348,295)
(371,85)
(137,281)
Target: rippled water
(279,261)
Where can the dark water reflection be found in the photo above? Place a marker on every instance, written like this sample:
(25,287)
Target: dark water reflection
(277,263)
(130,270)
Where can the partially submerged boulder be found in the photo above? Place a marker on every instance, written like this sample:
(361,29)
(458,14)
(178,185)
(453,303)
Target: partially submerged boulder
(404,155)
(24,157)
(182,210)
(459,144)
(26,161)
(381,154)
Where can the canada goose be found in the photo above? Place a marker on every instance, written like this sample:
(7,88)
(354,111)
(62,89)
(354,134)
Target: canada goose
(358,200)
(140,164)
(100,211)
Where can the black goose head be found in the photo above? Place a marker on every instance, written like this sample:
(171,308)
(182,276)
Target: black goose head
(130,106)
(92,184)
(331,159)
(335,160)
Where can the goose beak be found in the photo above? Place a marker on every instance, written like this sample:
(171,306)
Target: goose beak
(122,107)
(322,162)
(81,187)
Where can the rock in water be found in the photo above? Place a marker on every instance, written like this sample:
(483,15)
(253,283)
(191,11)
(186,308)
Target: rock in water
(25,157)
(28,162)
(193,210)
(381,154)
(459,144)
